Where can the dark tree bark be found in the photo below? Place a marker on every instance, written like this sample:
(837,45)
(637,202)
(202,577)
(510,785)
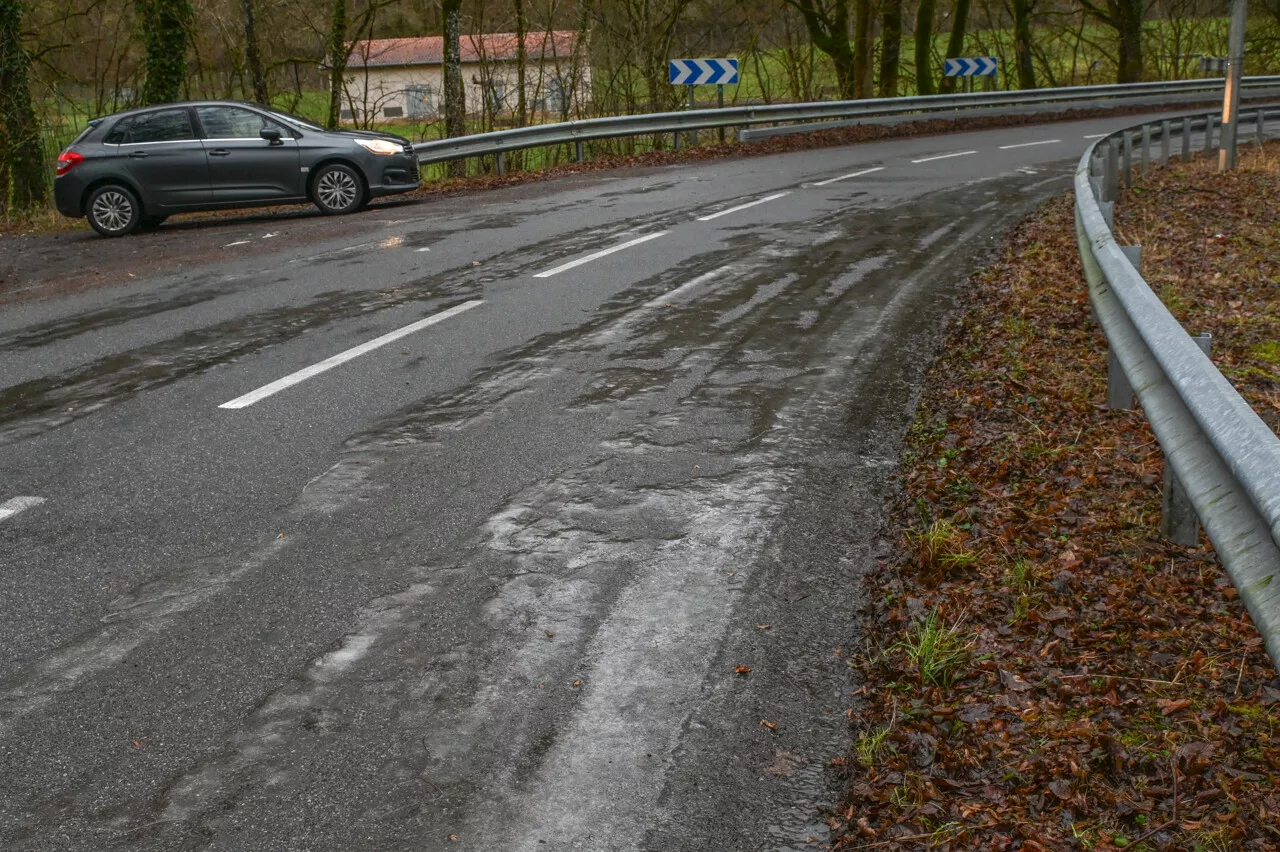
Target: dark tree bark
(252,56)
(955,44)
(22,171)
(338,55)
(828,25)
(1022,12)
(1125,17)
(890,47)
(166,35)
(455,103)
(924,47)
(522,64)
(863,48)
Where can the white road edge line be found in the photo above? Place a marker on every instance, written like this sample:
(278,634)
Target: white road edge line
(573,264)
(767,198)
(1030,144)
(343,357)
(945,156)
(238,243)
(9,508)
(1095,135)
(846,177)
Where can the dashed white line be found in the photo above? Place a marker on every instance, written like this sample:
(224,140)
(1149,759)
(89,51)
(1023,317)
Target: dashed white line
(1095,135)
(1030,144)
(343,357)
(237,243)
(944,156)
(9,508)
(847,177)
(422,249)
(740,207)
(573,264)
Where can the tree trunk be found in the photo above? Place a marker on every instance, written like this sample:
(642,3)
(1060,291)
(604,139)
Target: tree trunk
(955,44)
(337,60)
(251,55)
(522,64)
(166,35)
(924,47)
(21,152)
(1128,14)
(1022,12)
(829,32)
(455,103)
(890,47)
(863,48)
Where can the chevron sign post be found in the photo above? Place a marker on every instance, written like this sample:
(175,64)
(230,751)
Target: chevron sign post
(976,66)
(703,72)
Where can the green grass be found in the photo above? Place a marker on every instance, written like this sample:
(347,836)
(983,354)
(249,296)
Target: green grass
(936,650)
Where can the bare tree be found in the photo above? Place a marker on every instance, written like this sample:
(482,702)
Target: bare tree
(1125,17)
(924,47)
(890,47)
(166,33)
(955,44)
(251,53)
(22,182)
(828,25)
(1022,10)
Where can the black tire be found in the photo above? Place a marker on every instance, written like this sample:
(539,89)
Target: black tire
(149,223)
(113,211)
(338,189)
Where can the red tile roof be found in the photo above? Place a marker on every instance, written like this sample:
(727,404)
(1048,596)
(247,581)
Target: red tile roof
(429,50)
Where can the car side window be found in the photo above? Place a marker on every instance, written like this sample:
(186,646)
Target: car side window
(232,123)
(169,125)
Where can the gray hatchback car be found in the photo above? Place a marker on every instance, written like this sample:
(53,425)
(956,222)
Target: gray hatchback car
(134,169)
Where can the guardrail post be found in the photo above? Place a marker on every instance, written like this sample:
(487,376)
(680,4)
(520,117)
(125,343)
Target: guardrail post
(1119,391)
(580,150)
(1262,123)
(1166,144)
(1145,157)
(1178,521)
(1186,140)
(1208,135)
(1128,160)
(502,164)
(1110,189)
(1108,209)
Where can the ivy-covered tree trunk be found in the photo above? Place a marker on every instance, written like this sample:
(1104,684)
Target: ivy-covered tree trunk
(252,56)
(166,35)
(955,44)
(337,60)
(22,171)
(890,47)
(522,64)
(828,24)
(924,47)
(455,95)
(1022,12)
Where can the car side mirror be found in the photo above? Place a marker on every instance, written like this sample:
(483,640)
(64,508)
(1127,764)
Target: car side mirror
(271,134)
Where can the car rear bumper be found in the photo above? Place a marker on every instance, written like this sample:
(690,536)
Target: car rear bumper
(68,192)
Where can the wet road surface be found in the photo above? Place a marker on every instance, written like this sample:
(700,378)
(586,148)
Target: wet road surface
(488,577)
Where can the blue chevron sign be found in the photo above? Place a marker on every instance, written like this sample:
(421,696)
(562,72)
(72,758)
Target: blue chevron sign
(977,66)
(703,72)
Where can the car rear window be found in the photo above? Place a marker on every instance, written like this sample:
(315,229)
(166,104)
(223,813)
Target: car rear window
(92,126)
(169,125)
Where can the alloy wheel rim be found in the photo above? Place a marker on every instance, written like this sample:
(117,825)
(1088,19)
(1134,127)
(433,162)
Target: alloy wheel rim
(337,189)
(112,210)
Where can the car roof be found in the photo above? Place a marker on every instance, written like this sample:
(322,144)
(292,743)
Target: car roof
(176,104)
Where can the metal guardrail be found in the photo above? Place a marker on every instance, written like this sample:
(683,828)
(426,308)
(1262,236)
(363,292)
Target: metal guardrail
(1220,456)
(914,108)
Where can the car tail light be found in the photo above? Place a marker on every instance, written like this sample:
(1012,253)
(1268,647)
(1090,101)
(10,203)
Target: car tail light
(67,161)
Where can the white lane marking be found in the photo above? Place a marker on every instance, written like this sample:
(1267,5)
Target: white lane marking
(269,236)
(422,249)
(768,198)
(343,357)
(944,156)
(237,243)
(846,177)
(12,507)
(1095,136)
(573,264)
(1030,144)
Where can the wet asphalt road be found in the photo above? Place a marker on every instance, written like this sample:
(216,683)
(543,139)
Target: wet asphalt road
(492,579)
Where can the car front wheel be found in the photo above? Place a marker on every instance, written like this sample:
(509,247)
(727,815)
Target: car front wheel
(113,211)
(337,189)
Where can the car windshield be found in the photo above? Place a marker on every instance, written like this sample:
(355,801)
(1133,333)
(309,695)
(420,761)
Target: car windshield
(301,123)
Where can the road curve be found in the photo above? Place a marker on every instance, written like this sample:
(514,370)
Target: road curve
(455,534)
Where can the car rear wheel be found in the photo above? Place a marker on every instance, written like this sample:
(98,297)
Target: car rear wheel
(113,211)
(337,189)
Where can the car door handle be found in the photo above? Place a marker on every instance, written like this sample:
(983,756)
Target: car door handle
(219,152)
(138,155)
